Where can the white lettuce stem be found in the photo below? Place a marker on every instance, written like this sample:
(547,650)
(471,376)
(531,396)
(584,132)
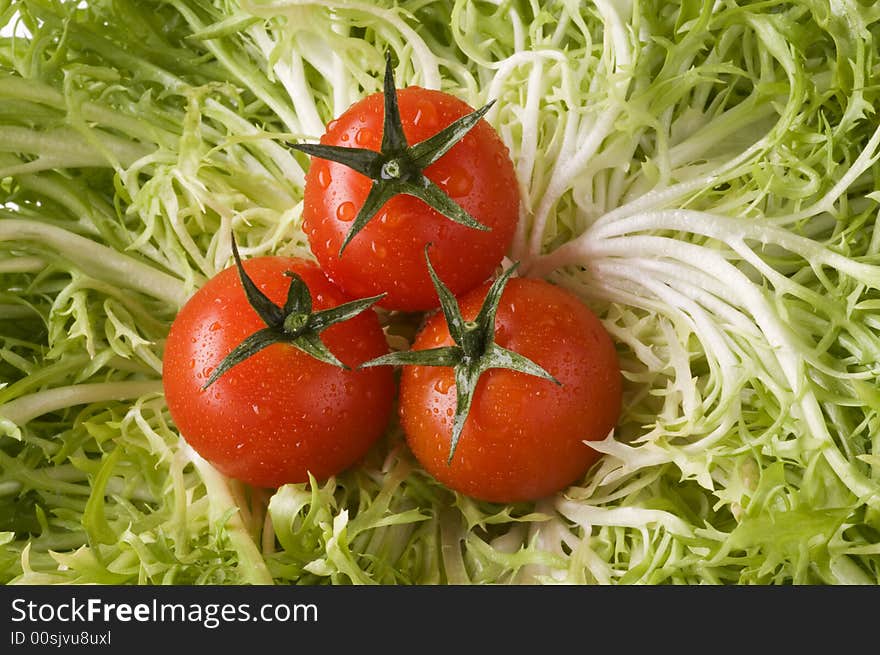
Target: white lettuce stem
(97,260)
(427,61)
(251,563)
(65,147)
(24,409)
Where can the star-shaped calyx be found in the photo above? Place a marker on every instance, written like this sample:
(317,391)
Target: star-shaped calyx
(295,323)
(474,352)
(399,167)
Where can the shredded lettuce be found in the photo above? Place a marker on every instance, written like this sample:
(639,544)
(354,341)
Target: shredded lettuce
(703,173)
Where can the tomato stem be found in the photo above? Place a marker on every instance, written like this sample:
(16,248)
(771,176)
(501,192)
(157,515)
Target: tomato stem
(398,168)
(474,352)
(295,323)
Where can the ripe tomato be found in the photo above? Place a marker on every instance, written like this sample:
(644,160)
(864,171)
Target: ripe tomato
(280,413)
(386,255)
(524,436)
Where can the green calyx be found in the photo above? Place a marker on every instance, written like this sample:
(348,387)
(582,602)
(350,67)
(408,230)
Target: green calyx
(398,167)
(474,352)
(294,324)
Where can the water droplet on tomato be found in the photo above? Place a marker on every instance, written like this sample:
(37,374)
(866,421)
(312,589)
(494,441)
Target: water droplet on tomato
(391,219)
(324,178)
(332,125)
(215,326)
(426,115)
(442,385)
(346,212)
(365,137)
(379,250)
(256,409)
(343,137)
(458,182)
(192,363)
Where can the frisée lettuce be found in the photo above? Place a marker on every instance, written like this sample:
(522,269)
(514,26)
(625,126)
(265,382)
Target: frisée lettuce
(704,174)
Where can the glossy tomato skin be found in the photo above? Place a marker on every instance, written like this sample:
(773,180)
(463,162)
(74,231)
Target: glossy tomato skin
(387,255)
(280,414)
(523,438)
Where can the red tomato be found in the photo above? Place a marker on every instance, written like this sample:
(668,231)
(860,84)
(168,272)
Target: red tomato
(524,436)
(279,414)
(387,254)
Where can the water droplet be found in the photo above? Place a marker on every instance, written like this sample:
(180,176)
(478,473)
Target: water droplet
(426,115)
(256,409)
(379,250)
(332,125)
(391,219)
(215,326)
(442,385)
(327,411)
(324,178)
(458,182)
(344,137)
(192,363)
(365,137)
(346,212)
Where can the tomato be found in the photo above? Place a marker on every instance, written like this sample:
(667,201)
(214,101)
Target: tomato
(524,435)
(386,255)
(281,413)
